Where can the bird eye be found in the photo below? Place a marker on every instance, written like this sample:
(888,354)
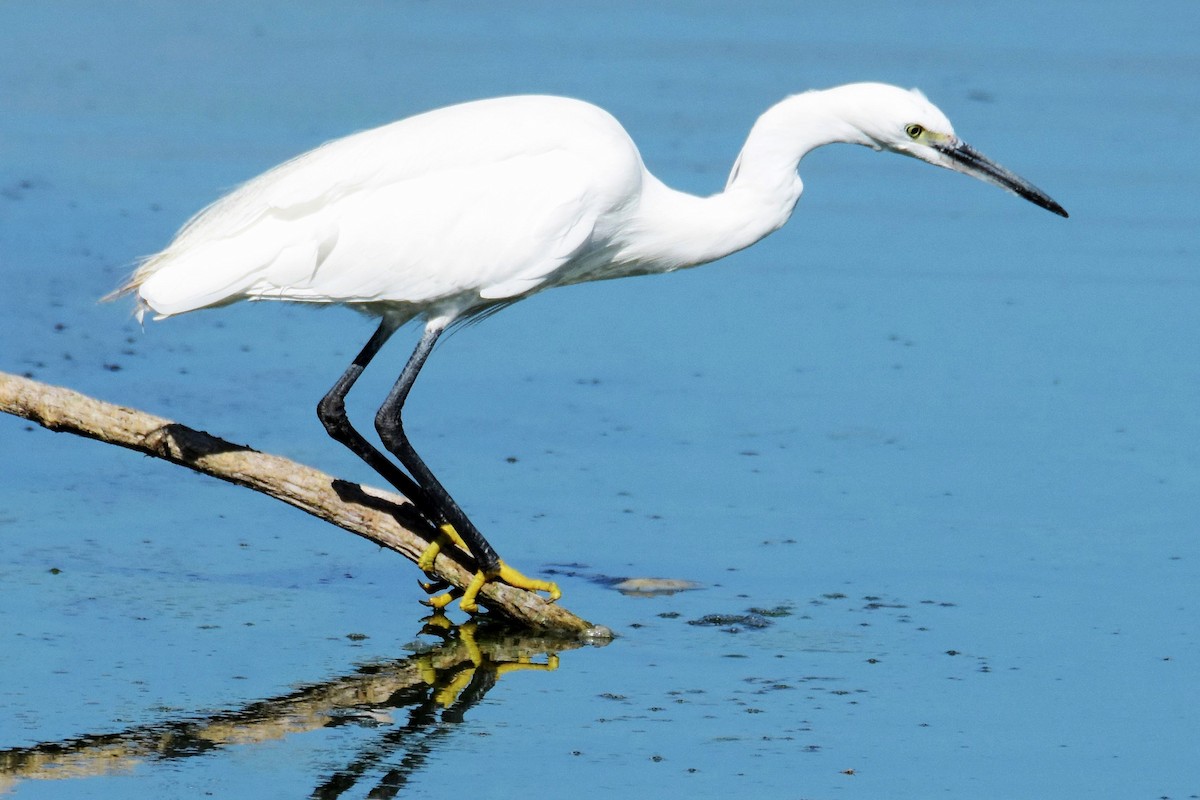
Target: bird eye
(914,130)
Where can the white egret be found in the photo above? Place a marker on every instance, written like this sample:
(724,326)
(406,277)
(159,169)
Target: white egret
(456,212)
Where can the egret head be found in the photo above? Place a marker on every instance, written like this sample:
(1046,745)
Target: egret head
(904,121)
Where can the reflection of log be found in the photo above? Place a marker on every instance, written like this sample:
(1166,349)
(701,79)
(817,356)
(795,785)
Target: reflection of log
(384,518)
(437,685)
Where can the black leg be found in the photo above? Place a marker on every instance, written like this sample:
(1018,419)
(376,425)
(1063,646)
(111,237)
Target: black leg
(332,412)
(391,430)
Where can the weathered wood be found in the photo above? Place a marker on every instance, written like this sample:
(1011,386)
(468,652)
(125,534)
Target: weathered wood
(382,517)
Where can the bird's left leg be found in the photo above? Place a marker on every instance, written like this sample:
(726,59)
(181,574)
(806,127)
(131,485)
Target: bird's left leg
(332,412)
(454,523)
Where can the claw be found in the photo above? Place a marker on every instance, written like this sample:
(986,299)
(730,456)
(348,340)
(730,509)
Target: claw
(434,585)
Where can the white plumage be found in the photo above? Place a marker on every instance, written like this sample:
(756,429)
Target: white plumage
(476,202)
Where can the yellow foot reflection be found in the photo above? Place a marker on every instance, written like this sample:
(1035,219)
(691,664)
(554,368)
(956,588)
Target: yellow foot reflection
(449,683)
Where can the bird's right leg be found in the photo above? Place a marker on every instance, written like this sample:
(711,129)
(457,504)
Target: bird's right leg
(453,522)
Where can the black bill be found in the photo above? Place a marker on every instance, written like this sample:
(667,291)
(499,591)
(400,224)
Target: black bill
(970,161)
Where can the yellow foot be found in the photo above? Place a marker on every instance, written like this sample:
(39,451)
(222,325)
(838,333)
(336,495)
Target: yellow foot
(439,601)
(504,574)
(446,535)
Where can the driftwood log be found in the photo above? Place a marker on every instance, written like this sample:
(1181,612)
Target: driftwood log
(382,517)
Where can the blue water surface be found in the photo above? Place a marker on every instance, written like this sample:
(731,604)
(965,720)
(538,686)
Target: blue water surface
(944,442)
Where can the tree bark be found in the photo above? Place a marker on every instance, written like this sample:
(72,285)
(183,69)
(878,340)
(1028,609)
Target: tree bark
(385,518)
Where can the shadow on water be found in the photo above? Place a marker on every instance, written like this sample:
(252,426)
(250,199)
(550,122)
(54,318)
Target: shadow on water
(434,688)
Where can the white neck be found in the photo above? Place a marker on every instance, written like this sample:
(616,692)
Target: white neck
(678,230)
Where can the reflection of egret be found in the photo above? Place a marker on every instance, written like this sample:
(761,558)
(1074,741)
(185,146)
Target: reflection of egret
(438,685)
(454,213)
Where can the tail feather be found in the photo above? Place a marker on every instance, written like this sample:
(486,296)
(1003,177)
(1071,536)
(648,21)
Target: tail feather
(213,273)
